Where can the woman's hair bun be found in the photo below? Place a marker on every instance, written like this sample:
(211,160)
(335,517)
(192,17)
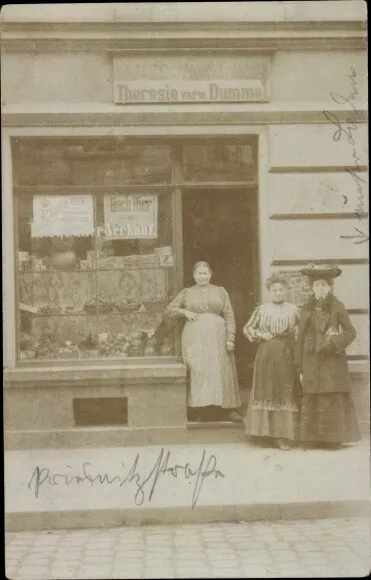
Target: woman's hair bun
(277,278)
(202,264)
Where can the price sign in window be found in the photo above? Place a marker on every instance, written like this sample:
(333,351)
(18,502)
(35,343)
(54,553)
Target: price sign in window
(62,216)
(130,216)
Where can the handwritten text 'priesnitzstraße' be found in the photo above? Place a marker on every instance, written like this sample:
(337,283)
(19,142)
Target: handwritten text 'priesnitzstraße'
(145,485)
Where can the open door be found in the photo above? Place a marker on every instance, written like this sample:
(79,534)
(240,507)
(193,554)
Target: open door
(220,226)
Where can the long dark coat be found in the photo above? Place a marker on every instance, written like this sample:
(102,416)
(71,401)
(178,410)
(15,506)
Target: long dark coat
(324,372)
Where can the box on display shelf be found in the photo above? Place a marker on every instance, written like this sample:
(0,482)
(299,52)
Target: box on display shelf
(167,261)
(163,251)
(23,260)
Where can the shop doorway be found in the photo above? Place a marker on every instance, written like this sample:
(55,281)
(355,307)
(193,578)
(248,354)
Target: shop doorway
(220,226)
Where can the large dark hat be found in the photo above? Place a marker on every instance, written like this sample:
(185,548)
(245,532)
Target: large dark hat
(316,272)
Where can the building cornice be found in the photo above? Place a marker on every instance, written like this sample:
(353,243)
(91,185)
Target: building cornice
(189,12)
(85,115)
(175,36)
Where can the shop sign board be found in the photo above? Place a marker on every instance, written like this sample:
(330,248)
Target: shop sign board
(190,78)
(62,215)
(217,91)
(130,216)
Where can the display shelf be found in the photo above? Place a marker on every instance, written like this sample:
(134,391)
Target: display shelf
(83,313)
(74,313)
(131,267)
(56,270)
(104,363)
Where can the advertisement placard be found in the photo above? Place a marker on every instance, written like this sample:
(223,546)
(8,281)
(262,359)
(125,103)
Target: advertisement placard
(62,215)
(130,216)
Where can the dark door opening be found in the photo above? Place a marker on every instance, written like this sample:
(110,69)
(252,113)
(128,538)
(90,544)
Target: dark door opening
(220,226)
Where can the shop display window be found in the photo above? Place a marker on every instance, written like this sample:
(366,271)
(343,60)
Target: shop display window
(95,267)
(98,241)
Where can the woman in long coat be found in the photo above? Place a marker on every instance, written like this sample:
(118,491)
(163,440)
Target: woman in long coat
(325,330)
(208,344)
(273,406)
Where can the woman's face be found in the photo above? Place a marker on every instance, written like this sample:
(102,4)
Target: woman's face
(277,292)
(320,289)
(202,275)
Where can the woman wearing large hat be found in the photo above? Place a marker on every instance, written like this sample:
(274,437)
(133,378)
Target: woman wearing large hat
(327,416)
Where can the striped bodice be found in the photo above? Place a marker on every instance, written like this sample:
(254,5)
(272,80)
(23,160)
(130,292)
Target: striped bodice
(277,319)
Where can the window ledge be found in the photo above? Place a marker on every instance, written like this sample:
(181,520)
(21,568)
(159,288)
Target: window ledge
(359,366)
(97,373)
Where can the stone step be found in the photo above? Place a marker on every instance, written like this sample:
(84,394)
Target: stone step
(86,437)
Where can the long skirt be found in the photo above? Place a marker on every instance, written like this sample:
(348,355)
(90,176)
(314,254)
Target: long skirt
(273,406)
(213,374)
(328,418)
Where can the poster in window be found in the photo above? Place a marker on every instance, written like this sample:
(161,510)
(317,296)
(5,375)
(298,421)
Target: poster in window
(130,216)
(62,215)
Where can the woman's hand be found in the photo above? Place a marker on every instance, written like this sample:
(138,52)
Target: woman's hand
(229,345)
(295,333)
(266,335)
(301,378)
(327,348)
(192,316)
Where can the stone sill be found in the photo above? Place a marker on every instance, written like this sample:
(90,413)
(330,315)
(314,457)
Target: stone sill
(140,373)
(99,374)
(271,106)
(359,366)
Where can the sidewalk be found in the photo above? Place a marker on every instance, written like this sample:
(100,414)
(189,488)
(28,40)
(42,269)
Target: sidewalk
(300,549)
(49,489)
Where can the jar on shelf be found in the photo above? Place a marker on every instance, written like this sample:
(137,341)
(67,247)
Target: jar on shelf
(167,347)
(151,347)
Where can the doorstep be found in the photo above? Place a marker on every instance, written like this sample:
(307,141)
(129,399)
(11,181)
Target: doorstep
(109,436)
(253,483)
(214,432)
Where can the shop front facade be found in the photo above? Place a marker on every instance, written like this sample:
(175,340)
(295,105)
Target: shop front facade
(137,142)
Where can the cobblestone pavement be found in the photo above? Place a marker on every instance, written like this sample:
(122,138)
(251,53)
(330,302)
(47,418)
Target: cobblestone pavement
(281,549)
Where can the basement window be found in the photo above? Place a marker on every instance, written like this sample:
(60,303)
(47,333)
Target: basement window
(94,412)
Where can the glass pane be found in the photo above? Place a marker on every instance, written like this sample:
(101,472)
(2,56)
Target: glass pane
(95,162)
(219,162)
(53,321)
(39,162)
(67,253)
(55,279)
(135,282)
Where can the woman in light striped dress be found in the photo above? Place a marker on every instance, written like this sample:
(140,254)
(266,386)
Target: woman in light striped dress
(273,406)
(208,345)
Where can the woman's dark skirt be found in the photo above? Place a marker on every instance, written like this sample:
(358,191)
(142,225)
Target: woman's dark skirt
(328,418)
(273,410)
